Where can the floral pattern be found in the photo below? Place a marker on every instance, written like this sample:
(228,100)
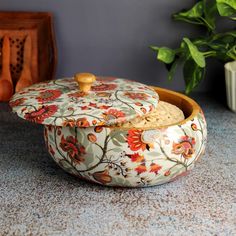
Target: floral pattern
(41,114)
(48,95)
(110,101)
(184,147)
(131,158)
(135,141)
(74,150)
(137,96)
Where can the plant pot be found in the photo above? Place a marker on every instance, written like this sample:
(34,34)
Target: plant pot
(230,80)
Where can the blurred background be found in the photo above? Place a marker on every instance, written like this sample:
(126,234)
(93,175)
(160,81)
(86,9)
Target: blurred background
(112,37)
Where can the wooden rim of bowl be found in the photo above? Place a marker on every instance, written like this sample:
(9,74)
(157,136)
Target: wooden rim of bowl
(185,103)
(181,101)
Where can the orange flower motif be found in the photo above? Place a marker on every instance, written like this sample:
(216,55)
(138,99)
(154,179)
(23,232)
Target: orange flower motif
(98,129)
(141,168)
(185,147)
(194,127)
(82,122)
(73,149)
(144,110)
(113,114)
(136,157)
(79,94)
(69,123)
(167,173)
(135,142)
(138,104)
(137,96)
(155,168)
(102,177)
(92,138)
(103,94)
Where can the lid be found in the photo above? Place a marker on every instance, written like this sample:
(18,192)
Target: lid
(95,101)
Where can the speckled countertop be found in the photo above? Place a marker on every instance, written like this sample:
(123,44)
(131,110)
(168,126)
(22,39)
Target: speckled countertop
(38,198)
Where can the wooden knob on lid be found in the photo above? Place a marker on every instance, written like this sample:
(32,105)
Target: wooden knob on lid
(85,81)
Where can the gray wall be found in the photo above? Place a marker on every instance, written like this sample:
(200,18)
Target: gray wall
(109,37)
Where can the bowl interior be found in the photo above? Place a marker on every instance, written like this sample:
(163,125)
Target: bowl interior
(189,107)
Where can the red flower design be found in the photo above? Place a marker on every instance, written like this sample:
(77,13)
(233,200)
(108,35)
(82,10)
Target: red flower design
(91,104)
(155,168)
(104,87)
(134,140)
(51,151)
(48,95)
(141,168)
(113,114)
(41,114)
(74,150)
(17,102)
(104,107)
(185,147)
(138,96)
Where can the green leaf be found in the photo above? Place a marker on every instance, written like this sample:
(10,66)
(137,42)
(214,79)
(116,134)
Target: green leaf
(166,55)
(171,69)
(195,53)
(195,12)
(232,53)
(193,74)
(154,48)
(226,7)
(210,12)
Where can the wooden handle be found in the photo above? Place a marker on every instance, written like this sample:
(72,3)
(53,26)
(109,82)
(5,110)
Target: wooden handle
(85,81)
(25,79)
(6,58)
(6,85)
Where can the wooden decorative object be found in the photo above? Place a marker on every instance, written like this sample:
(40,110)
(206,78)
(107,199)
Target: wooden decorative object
(33,55)
(6,86)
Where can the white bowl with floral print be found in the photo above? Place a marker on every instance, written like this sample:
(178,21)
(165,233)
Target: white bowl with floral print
(114,156)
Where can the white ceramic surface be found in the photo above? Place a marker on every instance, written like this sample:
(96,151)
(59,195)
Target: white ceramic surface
(230,79)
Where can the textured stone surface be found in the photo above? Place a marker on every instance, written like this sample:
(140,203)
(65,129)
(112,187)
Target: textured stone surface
(38,198)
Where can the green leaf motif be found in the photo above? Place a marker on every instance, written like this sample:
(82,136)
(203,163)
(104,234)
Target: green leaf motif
(166,55)
(226,7)
(193,74)
(115,142)
(195,53)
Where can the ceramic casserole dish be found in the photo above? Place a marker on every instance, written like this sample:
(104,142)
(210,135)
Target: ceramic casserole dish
(83,121)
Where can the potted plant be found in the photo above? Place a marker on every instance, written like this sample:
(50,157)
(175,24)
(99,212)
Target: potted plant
(193,52)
